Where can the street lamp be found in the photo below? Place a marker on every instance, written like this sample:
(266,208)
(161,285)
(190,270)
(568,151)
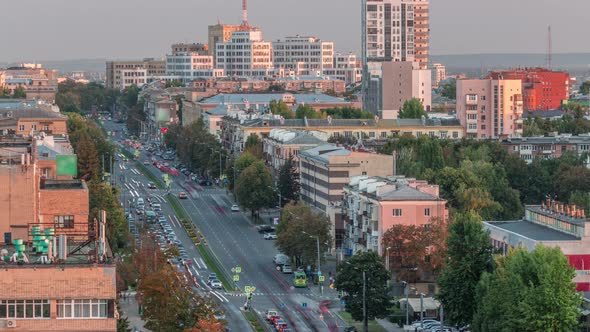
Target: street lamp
(387,259)
(319,262)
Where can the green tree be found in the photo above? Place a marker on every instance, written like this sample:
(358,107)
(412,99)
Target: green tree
(288,182)
(244,160)
(349,278)
(347,113)
(306,111)
(296,219)
(585,87)
(130,96)
(253,145)
(570,179)
(88,164)
(5,92)
(280,108)
(254,188)
(276,88)
(449,89)
(412,109)
(469,255)
(528,291)
(123,324)
(19,93)
(174,84)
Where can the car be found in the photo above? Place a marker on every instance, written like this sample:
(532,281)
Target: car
(270,236)
(162,219)
(212,276)
(219,316)
(151,185)
(265,229)
(215,283)
(235,208)
(146,162)
(278,323)
(270,313)
(287,268)
(273,319)
(280,259)
(182,195)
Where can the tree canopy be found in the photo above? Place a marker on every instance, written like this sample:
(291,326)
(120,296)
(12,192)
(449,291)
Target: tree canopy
(412,109)
(349,278)
(282,109)
(288,181)
(254,187)
(449,89)
(585,87)
(528,291)
(469,255)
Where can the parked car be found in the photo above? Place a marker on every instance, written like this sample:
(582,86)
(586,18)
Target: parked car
(281,259)
(287,268)
(270,236)
(235,208)
(265,229)
(182,195)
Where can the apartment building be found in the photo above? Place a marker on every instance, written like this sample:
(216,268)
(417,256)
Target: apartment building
(27,121)
(346,68)
(245,54)
(397,30)
(531,148)
(235,130)
(439,73)
(191,61)
(308,84)
(219,33)
(372,205)
(282,144)
(161,110)
(553,224)
(302,56)
(400,82)
(490,108)
(324,172)
(120,74)
(542,89)
(38,82)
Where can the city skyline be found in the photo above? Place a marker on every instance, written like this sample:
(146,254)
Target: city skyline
(187,21)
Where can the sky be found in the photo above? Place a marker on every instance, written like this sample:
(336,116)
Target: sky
(126,29)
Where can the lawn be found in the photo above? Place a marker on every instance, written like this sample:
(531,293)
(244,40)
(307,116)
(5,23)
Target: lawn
(373,325)
(253,321)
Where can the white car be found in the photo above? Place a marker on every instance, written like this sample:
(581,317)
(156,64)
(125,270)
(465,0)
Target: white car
(270,236)
(215,283)
(235,208)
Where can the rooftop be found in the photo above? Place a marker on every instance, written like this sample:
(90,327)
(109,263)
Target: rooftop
(532,230)
(30,113)
(266,98)
(405,193)
(64,185)
(372,123)
(548,139)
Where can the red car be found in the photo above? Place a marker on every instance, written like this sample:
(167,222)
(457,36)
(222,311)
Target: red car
(274,318)
(182,195)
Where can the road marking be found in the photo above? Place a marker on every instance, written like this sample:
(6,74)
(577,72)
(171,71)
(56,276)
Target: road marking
(136,193)
(203,262)
(196,262)
(214,208)
(195,269)
(225,298)
(217,296)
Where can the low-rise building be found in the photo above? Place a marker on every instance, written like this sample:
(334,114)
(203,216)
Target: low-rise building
(531,148)
(325,171)
(260,101)
(346,68)
(32,121)
(38,82)
(552,224)
(281,144)
(372,205)
(161,110)
(296,84)
(116,70)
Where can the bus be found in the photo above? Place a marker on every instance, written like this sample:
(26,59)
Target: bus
(300,279)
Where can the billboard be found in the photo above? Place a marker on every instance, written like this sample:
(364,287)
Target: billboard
(67,164)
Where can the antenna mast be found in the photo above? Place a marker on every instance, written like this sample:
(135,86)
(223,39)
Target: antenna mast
(245,12)
(549,48)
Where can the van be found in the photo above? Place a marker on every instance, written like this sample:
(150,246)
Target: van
(287,268)
(281,259)
(140,201)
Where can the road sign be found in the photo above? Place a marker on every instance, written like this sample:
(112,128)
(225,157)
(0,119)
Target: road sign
(304,304)
(233,270)
(282,305)
(322,278)
(236,278)
(252,289)
(247,289)
(238,269)
(275,220)
(342,302)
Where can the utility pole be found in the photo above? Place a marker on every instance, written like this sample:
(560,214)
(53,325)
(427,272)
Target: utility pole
(365,319)
(421,311)
(319,266)
(407,291)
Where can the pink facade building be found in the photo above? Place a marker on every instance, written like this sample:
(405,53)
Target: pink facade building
(489,108)
(372,205)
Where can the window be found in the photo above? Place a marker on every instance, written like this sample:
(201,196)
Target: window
(45,127)
(82,308)
(63,221)
(427,212)
(21,127)
(24,309)
(397,212)
(34,127)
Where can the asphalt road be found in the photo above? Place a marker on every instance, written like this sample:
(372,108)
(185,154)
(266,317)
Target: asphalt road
(236,243)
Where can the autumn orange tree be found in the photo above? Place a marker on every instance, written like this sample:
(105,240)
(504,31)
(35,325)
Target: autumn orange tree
(414,250)
(210,324)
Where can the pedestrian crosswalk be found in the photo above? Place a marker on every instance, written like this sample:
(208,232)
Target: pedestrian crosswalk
(308,294)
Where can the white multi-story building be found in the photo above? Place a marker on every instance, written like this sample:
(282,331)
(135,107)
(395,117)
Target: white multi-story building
(303,56)
(132,76)
(245,54)
(346,68)
(439,73)
(191,61)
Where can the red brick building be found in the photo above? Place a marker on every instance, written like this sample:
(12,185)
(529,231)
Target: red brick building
(543,89)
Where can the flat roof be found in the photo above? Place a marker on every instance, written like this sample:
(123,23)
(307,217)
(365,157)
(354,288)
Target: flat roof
(532,230)
(64,185)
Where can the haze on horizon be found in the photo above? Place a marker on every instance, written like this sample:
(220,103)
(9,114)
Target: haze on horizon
(123,29)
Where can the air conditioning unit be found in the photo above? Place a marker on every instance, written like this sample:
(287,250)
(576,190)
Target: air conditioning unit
(10,323)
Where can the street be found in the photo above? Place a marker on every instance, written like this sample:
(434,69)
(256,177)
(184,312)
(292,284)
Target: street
(236,243)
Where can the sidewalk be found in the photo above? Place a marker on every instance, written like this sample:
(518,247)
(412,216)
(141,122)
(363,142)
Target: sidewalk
(130,309)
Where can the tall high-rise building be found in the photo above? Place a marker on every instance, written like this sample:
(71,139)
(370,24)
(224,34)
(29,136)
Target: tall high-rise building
(245,54)
(220,33)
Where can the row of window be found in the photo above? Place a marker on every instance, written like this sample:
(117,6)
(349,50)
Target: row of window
(40,309)
(399,212)
(33,127)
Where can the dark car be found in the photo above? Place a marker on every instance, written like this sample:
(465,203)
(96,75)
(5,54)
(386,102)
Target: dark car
(151,185)
(265,229)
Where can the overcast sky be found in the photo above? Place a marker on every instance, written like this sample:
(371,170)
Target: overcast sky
(75,29)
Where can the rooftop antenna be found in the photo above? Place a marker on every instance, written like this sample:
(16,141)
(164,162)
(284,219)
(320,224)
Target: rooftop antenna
(549,50)
(245,13)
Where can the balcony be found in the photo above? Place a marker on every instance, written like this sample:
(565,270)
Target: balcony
(472,130)
(421,11)
(421,26)
(471,99)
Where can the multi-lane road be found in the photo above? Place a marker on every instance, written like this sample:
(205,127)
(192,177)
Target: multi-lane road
(236,243)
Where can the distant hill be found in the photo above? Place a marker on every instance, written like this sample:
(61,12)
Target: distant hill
(474,63)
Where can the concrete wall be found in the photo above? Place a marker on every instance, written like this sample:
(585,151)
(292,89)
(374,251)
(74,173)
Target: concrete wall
(402,81)
(74,202)
(17,200)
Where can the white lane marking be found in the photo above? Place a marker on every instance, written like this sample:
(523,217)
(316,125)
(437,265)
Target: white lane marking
(136,193)
(203,262)
(225,298)
(131,192)
(127,186)
(195,269)
(196,262)
(217,296)
(171,220)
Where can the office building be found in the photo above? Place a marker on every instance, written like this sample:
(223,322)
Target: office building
(542,89)
(245,54)
(302,56)
(372,205)
(121,74)
(191,61)
(282,144)
(489,108)
(219,33)
(346,68)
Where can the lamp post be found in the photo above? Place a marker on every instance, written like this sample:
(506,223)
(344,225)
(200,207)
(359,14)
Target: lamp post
(387,259)
(319,260)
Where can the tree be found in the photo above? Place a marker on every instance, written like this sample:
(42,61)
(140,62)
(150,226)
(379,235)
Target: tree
(276,88)
(19,93)
(585,87)
(569,179)
(253,145)
(349,278)
(528,291)
(347,113)
(244,160)
(449,89)
(88,163)
(254,188)
(280,108)
(306,111)
(4,92)
(288,182)
(469,255)
(412,109)
(209,324)
(296,219)
(123,325)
